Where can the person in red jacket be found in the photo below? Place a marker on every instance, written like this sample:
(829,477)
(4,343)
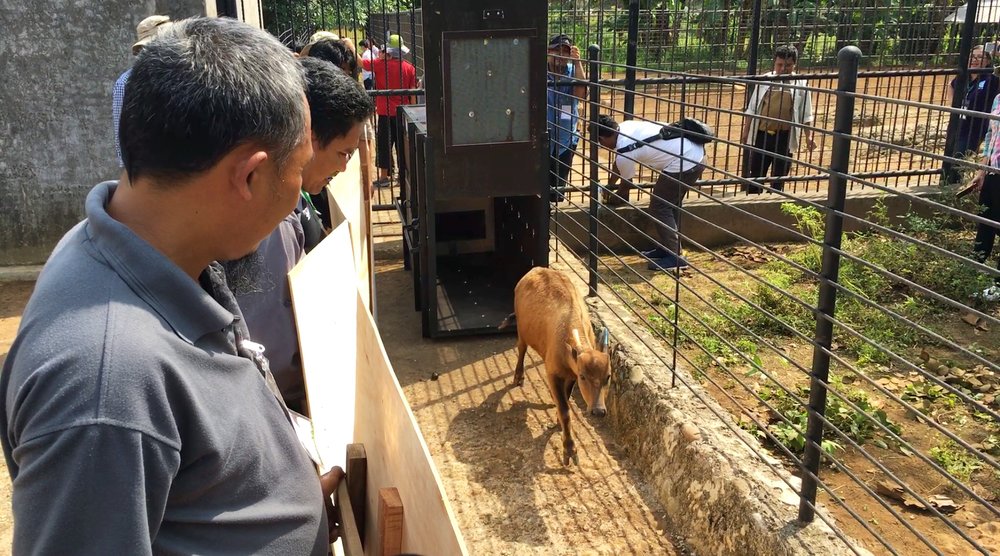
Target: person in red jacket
(390,71)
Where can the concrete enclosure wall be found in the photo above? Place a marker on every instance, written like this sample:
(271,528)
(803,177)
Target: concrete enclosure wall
(713,224)
(60,61)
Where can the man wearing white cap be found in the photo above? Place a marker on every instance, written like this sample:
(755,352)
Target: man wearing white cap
(390,72)
(145,32)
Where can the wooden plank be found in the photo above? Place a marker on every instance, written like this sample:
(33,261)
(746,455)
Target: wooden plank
(347,192)
(357,482)
(324,297)
(397,454)
(390,522)
(353,396)
(350,534)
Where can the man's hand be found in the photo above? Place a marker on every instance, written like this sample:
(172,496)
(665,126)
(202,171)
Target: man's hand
(329,482)
(811,144)
(574,52)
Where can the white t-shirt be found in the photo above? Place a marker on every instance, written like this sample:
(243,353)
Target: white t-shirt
(661,155)
(371,55)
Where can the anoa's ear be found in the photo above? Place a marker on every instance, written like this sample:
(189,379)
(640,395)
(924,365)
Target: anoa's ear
(573,351)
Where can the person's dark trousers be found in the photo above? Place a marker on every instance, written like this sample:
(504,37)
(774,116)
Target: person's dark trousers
(369,84)
(968,140)
(559,167)
(989,197)
(385,138)
(665,205)
(776,143)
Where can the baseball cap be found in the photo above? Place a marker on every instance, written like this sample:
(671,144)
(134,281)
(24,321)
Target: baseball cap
(147,29)
(395,41)
(560,40)
(323,35)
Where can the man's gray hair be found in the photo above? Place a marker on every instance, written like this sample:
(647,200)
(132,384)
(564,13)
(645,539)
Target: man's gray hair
(203,87)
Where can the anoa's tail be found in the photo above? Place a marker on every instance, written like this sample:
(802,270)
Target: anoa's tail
(511,320)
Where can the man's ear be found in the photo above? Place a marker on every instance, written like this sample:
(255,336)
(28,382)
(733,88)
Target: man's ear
(246,167)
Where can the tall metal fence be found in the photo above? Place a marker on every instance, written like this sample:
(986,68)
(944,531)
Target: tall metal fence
(728,37)
(911,51)
(863,351)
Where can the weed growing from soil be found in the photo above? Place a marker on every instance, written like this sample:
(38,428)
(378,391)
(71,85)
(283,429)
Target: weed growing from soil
(854,424)
(955,460)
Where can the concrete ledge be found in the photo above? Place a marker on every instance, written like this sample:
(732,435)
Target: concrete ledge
(711,224)
(719,496)
(19,273)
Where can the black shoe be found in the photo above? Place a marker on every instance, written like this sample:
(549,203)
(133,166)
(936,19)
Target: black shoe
(670,262)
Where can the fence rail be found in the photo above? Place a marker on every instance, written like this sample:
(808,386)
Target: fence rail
(868,359)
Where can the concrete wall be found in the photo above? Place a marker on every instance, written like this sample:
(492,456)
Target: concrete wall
(713,224)
(59,61)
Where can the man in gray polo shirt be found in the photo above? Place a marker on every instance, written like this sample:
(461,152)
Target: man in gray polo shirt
(138,415)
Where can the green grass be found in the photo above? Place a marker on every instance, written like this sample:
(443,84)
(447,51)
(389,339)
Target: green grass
(955,460)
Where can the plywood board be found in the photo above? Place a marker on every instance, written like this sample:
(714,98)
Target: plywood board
(347,190)
(397,454)
(324,296)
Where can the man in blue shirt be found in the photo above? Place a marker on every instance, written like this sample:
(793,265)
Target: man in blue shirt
(145,32)
(138,415)
(562,101)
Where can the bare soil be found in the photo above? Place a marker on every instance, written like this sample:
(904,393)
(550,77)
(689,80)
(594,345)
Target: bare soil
(736,388)
(498,448)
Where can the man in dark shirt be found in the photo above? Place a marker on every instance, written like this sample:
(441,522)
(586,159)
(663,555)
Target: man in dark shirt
(339,108)
(138,415)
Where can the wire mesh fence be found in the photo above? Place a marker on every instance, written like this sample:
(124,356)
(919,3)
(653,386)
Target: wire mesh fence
(862,349)
(726,36)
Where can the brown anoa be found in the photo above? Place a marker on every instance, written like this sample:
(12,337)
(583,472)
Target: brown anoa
(552,319)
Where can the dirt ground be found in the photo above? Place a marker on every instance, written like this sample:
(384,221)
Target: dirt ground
(13,297)
(498,448)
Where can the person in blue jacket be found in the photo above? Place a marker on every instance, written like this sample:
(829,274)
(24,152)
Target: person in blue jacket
(979,95)
(563,116)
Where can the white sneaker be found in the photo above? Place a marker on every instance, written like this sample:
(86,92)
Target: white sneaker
(991,293)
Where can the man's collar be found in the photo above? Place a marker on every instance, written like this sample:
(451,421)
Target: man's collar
(189,310)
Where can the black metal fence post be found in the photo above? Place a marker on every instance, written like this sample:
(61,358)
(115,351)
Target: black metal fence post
(754,50)
(752,54)
(631,54)
(677,271)
(961,83)
(594,73)
(848,60)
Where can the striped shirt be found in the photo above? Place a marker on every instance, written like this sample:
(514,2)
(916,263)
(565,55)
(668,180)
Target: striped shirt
(117,98)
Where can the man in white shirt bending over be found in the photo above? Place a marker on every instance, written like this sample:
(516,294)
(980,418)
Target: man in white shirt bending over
(677,152)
